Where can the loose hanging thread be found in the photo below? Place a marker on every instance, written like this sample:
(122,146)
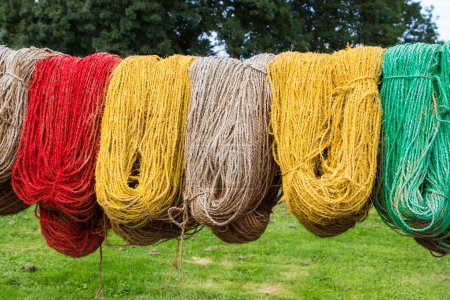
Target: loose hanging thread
(230,175)
(140,163)
(326,119)
(56,160)
(414,182)
(16,71)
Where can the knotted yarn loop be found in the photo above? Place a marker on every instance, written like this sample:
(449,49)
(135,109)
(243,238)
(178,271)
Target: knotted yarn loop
(256,68)
(441,111)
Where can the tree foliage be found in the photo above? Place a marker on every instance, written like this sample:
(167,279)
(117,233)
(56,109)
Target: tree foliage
(242,27)
(123,26)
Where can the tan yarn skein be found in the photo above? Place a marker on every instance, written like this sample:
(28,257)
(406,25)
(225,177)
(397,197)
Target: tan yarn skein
(16,72)
(326,118)
(229,170)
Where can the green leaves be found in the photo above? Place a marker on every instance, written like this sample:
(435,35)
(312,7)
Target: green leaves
(243,27)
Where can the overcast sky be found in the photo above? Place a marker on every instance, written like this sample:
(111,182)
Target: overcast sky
(442,11)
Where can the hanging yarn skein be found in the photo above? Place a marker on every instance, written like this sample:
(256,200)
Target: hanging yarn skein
(230,175)
(415,152)
(140,164)
(326,118)
(56,160)
(16,71)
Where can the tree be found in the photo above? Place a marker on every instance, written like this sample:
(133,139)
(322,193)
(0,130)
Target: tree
(249,27)
(243,27)
(330,22)
(61,25)
(320,25)
(160,27)
(123,26)
(418,25)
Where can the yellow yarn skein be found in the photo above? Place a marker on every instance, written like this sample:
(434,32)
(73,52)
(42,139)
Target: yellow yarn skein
(326,119)
(140,162)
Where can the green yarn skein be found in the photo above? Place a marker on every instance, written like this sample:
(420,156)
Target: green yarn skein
(415,150)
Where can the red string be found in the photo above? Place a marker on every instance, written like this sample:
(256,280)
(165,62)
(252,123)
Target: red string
(55,165)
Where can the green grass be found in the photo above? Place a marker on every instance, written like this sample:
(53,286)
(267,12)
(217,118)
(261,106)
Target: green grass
(368,262)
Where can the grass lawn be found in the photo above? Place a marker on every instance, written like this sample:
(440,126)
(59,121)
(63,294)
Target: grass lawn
(368,262)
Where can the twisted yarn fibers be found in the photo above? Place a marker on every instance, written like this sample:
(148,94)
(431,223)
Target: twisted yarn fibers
(326,118)
(57,153)
(230,175)
(16,71)
(416,141)
(140,163)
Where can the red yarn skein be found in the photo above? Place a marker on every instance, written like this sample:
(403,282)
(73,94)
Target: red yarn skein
(75,239)
(55,164)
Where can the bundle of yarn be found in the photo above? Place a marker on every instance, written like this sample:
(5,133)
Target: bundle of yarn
(326,118)
(415,155)
(16,71)
(157,148)
(230,175)
(140,164)
(56,160)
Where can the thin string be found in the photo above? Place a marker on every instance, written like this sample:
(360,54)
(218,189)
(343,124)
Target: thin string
(99,293)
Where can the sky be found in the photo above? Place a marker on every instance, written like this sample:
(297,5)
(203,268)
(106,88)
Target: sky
(442,12)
